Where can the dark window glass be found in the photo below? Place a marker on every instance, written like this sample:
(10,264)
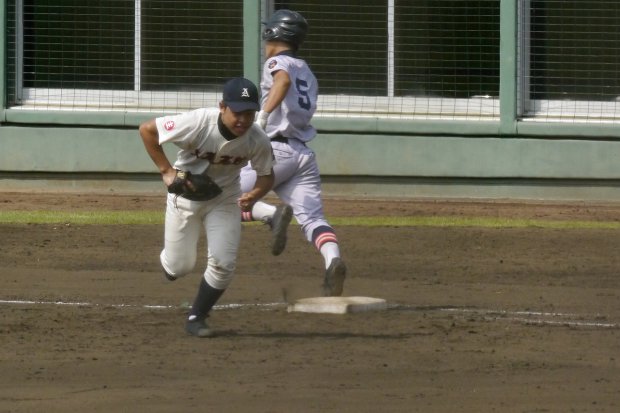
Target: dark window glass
(447,48)
(575,50)
(191,45)
(78,44)
(346,45)
(441,48)
(185,45)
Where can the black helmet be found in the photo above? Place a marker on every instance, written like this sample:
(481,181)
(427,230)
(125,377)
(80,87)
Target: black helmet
(287,26)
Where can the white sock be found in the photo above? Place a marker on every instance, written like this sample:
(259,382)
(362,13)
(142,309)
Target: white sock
(329,251)
(262,211)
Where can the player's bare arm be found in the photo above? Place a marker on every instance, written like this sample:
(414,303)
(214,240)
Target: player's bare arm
(150,138)
(262,186)
(281,84)
(277,93)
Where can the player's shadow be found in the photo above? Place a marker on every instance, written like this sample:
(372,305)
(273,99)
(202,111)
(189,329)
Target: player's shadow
(316,334)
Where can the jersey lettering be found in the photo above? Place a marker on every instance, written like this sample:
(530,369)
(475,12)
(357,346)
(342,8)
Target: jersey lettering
(304,98)
(223,160)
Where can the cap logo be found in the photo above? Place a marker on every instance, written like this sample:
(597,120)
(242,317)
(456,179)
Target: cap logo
(245,93)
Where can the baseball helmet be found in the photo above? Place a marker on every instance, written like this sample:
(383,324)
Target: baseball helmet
(287,26)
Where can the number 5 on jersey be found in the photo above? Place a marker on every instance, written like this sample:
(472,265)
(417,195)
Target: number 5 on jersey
(302,89)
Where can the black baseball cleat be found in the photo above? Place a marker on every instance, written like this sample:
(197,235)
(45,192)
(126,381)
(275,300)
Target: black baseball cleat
(334,278)
(279,227)
(199,328)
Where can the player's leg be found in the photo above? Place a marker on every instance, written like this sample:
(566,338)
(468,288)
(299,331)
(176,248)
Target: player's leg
(303,192)
(181,232)
(277,217)
(223,229)
(261,210)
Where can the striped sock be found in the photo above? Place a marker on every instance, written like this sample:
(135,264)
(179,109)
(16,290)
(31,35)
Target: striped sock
(325,240)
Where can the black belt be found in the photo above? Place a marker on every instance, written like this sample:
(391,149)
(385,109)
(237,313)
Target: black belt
(280,138)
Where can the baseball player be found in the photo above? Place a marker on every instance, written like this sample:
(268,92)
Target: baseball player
(215,143)
(289,98)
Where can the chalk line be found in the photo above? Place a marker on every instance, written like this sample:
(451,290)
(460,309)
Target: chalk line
(522,317)
(535,317)
(148,306)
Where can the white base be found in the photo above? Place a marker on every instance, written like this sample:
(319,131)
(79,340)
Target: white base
(337,305)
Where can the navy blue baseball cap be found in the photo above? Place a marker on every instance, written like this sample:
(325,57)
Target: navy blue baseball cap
(241,94)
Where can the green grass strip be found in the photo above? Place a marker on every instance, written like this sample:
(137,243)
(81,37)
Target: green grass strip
(484,222)
(157,217)
(85,217)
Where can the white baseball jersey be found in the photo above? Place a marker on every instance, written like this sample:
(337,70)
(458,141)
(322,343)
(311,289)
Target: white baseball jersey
(291,119)
(204,148)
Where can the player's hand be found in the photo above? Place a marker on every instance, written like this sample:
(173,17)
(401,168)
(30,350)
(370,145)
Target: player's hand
(246,202)
(261,119)
(168,176)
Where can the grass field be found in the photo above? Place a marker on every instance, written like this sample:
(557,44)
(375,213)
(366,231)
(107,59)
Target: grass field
(156,217)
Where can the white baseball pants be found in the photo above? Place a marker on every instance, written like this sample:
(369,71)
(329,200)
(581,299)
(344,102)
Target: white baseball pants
(297,183)
(220,218)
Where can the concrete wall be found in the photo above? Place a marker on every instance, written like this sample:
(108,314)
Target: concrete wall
(353,164)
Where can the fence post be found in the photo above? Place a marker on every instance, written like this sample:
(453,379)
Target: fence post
(508,67)
(251,39)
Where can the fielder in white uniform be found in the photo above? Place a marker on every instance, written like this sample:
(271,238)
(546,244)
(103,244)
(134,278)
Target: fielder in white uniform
(289,98)
(217,142)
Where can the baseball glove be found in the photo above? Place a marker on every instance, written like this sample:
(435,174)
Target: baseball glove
(194,187)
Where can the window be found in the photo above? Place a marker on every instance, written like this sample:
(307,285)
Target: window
(122,54)
(571,60)
(404,59)
(392,59)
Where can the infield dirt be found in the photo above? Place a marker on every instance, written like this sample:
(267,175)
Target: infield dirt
(479,319)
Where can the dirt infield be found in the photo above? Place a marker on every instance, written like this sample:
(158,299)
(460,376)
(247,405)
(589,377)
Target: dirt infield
(480,320)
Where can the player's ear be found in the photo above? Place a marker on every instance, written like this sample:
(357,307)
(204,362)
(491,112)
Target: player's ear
(222,106)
